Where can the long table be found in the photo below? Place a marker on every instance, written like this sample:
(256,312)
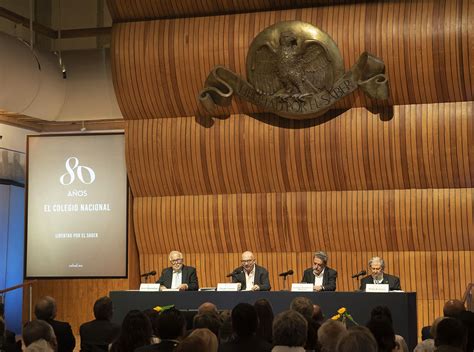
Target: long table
(359,304)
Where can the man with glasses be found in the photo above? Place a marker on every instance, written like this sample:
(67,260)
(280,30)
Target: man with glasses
(178,276)
(322,277)
(250,276)
(378,276)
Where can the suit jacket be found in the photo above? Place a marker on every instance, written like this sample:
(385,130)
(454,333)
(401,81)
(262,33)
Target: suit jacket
(261,278)
(64,335)
(98,334)
(392,281)
(189,277)
(329,278)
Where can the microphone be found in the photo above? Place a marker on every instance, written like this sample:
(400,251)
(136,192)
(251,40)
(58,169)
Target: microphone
(149,274)
(362,272)
(286,273)
(235,272)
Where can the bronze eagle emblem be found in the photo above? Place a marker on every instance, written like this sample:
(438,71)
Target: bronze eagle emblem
(295,69)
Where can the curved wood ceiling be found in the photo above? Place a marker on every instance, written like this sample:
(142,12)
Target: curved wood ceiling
(136,10)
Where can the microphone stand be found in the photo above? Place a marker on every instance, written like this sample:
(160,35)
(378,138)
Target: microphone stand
(145,277)
(285,288)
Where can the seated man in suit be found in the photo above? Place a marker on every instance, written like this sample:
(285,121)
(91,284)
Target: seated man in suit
(377,276)
(251,276)
(178,276)
(46,310)
(320,275)
(97,334)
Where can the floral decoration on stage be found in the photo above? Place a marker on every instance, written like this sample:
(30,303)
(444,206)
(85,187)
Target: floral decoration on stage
(343,315)
(160,309)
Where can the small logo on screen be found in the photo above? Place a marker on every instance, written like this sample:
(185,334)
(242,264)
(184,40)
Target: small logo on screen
(75,265)
(84,174)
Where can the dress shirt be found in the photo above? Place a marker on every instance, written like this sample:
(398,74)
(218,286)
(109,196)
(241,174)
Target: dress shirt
(249,279)
(318,279)
(177,279)
(379,281)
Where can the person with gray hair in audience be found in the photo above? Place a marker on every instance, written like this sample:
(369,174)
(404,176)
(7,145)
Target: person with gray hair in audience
(289,332)
(208,307)
(329,334)
(378,276)
(357,339)
(38,336)
(320,275)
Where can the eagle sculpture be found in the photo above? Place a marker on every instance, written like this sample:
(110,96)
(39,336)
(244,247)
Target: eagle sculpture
(295,69)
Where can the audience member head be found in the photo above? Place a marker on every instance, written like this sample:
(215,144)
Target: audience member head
(244,320)
(383,311)
(320,260)
(434,326)
(425,346)
(103,308)
(467,318)
(329,334)
(36,330)
(290,328)
(207,307)
(192,344)
(357,339)
(225,332)
(318,315)
(453,308)
(382,329)
(451,332)
(304,306)
(265,319)
(136,332)
(171,324)
(2,310)
(45,308)
(209,338)
(153,315)
(207,321)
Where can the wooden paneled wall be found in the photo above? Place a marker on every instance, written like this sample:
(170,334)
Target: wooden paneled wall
(159,67)
(413,146)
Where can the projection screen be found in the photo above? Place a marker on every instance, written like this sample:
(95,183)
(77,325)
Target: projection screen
(76,206)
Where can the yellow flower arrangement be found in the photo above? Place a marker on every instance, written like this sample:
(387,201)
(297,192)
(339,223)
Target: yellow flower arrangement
(160,309)
(343,315)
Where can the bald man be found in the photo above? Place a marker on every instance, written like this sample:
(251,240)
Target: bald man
(178,276)
(250,276)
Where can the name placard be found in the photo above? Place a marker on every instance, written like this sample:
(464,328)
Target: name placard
(376,288)
(225,286)
(149,287)
(298,287)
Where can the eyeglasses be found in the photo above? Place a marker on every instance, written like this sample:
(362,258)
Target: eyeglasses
(175,261)
(247,261)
